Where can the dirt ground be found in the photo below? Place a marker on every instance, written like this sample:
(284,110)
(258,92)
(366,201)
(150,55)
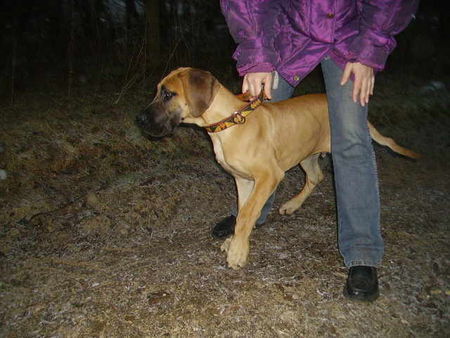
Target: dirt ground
(106,234)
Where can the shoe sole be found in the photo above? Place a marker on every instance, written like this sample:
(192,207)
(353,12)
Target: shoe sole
(361,297)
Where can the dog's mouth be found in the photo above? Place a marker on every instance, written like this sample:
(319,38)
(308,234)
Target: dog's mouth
(157,126)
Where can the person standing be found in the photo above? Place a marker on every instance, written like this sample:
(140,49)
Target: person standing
(282,41)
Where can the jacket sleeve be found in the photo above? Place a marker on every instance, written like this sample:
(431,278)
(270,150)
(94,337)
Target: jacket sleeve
(380,21)
(251,25)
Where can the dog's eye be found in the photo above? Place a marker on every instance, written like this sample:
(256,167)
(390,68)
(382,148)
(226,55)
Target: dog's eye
(166,95)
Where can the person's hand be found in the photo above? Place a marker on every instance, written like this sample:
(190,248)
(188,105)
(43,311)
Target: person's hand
(253,82)
(363,83)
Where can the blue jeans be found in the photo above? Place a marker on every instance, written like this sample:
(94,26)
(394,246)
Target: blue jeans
(355,173)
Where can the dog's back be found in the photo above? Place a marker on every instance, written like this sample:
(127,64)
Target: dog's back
(314,108)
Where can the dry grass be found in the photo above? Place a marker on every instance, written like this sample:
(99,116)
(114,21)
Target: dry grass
(104,233)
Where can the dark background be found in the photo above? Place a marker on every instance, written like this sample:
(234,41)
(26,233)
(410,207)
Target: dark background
(104,233)
(71,43)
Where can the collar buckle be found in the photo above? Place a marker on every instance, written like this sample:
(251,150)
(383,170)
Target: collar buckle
(238,118)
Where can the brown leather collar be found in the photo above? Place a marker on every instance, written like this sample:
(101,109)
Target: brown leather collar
(238,117)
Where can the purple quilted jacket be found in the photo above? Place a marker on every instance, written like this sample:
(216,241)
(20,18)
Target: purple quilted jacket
(293,36)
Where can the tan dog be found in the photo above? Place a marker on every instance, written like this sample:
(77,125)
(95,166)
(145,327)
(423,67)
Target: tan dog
(274,138)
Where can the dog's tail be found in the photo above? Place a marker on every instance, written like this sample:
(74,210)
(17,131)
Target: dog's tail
(389,142)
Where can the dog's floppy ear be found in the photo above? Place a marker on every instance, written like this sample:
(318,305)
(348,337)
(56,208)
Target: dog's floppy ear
(201,89)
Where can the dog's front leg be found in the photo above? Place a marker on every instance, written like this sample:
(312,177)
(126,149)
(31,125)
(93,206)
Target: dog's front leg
(244,188)
(237,247)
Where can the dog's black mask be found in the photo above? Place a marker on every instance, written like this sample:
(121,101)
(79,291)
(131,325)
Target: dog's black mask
(155,121)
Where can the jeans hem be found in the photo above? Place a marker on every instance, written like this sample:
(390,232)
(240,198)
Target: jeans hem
(362,263)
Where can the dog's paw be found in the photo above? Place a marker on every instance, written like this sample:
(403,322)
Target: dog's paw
(288,208)
(237,253)
(226,244)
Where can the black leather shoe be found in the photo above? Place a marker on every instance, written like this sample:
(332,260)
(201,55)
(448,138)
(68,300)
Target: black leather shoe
(225,227)
(362,284)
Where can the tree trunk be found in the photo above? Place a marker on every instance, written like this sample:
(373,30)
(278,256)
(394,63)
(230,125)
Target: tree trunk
(153,32)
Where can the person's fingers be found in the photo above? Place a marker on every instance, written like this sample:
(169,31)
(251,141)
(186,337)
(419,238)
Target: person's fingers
(356,89)
(369,84)
(372,85)
(363,83)
(368,92)
(267,92)
(363,92)
(346,74)
(245,85)
(253,82)
(368,89)
(257,87)
(268,86)
(251,90)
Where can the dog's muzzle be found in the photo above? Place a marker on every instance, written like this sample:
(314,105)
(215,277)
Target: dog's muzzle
(155,123)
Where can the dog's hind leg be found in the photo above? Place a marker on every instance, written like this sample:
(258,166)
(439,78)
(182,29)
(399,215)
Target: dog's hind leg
(237,247)
(313,177)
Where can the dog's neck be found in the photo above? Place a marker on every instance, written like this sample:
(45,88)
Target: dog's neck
(223,105)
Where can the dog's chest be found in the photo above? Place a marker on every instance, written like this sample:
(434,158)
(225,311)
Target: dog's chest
(229,164)
(220,156)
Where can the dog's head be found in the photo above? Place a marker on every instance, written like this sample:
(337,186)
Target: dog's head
(184,94)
